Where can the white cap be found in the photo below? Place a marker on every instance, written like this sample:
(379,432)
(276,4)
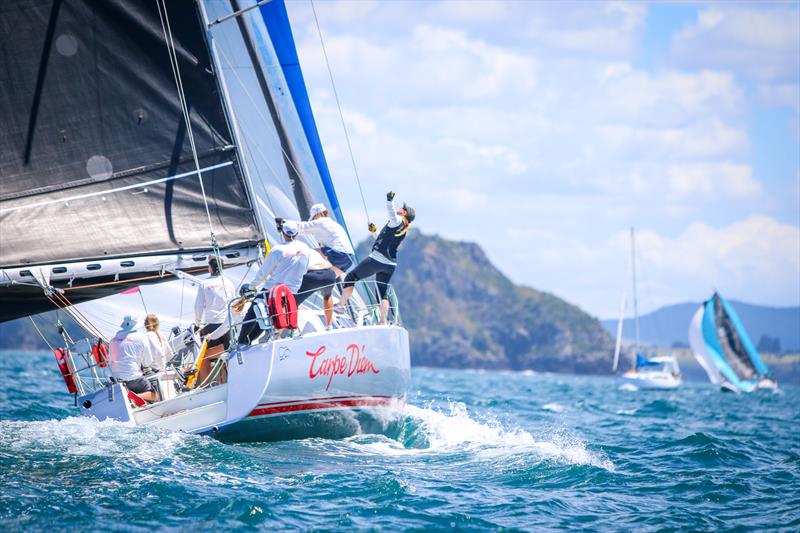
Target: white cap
(290,228)
(315,210)
(129,323)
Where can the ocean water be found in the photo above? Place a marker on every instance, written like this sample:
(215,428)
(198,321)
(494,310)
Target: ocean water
(477,451)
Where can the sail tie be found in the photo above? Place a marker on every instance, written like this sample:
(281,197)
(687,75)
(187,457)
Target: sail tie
(341,115)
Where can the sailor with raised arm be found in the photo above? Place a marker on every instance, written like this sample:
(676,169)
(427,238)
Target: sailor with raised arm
(286,264)
(211,303)
(382,260)
(333,240)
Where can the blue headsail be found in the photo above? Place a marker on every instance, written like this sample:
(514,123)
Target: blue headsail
(277,22)
(723,347)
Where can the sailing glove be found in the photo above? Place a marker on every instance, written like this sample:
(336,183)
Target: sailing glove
(390,196)
(372,228)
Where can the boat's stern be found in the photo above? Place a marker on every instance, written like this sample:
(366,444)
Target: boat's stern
(330,384)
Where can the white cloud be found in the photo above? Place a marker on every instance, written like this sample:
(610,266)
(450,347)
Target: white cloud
(762,41)
(559,144)
(713,180)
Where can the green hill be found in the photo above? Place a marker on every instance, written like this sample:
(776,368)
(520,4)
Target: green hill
(462,312)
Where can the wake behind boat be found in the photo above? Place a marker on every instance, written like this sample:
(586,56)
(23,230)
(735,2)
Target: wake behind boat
(144,139)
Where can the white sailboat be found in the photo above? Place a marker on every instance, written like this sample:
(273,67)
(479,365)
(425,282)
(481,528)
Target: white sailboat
(144,138)
(656,372)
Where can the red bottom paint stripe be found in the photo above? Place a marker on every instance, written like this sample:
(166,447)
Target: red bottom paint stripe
(324,399)
(361,402)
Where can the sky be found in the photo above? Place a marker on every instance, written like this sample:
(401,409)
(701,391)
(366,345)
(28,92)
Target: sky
(544,131)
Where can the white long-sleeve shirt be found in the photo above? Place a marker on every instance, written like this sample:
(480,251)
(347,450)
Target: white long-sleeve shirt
(286,263)
(127,352)
(158,352)
(211,304)
(328,233)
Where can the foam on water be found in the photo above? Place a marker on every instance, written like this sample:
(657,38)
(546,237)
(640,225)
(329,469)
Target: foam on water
(83,436)
(432,432)
(540,452)
(554,407)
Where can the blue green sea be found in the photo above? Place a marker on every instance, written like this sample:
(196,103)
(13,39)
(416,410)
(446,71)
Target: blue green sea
(477,451)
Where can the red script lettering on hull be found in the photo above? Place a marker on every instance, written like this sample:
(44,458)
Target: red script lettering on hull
(355,362)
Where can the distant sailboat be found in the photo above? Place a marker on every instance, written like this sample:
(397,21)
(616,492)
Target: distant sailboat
(723,348)
(658,372)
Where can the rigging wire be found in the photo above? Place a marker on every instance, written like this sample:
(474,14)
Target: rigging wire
(41,334)
(339,106)
(173,60)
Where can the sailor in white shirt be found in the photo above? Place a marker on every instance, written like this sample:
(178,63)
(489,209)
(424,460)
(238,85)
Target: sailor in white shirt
(333,240)
(128,349)
(286,264)
(160,351)
(211,303)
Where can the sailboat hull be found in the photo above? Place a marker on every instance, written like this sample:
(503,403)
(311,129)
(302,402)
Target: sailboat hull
(332,384)
(327,384)
(641,381)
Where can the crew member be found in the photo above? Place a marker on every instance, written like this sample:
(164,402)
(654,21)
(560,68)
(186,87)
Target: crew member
(158,346)
(128,350)
(211,303)
(286,264)
(333,240)
(382,260)
(320,277)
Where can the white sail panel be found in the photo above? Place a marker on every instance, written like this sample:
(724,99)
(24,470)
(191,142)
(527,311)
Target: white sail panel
(698,345)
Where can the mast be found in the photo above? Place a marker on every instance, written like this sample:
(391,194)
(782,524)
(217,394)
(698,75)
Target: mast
(618,345)
(635,300)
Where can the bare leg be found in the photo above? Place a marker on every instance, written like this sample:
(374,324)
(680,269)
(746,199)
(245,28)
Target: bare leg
(327,305)
(384,310)
(148,396)
(347,292)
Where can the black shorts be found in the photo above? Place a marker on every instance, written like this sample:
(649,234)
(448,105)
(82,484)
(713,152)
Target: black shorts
(368,267)
(224,339)
(316,280)
(139,385)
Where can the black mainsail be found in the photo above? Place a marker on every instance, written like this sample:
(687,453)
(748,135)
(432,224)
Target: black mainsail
(96,161)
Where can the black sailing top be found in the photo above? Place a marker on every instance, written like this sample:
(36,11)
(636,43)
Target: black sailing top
(384,249)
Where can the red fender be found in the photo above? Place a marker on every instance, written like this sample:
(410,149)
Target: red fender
(282,307)
(136,399)
(62,355)
(100,353)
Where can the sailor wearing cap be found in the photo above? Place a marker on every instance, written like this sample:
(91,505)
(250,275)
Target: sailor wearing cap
(211,302)
(333,240)
(128,349)
(286,264)
(382,260)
